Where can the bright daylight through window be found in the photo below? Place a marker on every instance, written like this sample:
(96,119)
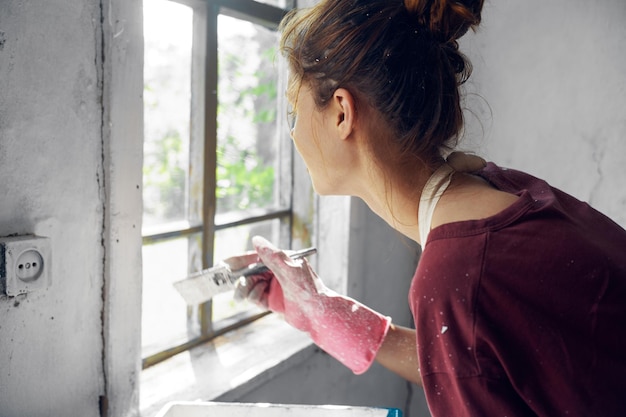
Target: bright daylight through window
(217,157)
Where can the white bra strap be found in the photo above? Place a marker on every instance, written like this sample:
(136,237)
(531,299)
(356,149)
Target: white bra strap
(433,189)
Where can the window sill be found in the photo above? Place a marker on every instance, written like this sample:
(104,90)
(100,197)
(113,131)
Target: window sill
(227,367)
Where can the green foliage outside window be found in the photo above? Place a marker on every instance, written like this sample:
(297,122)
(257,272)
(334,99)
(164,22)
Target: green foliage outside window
(166,176)
(243,180)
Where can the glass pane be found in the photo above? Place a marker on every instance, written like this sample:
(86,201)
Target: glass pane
(247,124)
(229,242)
(167,93)
(164,312)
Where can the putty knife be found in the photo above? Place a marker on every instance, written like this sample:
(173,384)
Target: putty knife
(202,286)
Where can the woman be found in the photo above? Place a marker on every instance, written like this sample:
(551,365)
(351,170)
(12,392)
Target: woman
(519,297)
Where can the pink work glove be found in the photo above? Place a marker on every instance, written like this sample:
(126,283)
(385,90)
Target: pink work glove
(347,330)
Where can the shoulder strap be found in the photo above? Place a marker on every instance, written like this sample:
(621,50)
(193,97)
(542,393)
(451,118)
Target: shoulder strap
(438,183)
(433,189)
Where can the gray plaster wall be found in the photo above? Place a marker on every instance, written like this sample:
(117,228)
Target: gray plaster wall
(70,170)
(51,185)
(548,95)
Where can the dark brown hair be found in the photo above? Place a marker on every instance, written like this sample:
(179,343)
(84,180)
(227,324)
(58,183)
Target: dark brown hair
(400,57)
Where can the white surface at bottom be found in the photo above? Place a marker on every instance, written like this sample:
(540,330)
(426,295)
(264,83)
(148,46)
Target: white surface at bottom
(210,409)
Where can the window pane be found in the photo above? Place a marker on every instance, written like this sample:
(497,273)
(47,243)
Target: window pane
(247,116)
(164,312)
(167,93)
(229,242)
(251,164)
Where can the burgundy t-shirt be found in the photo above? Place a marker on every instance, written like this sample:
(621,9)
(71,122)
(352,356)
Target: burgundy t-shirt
(524,313)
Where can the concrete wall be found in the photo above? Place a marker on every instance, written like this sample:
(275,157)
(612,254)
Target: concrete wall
(552,77)
(70,169)
(52,173)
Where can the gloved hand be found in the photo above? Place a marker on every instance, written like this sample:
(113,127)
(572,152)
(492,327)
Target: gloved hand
(347,330)
(262,289)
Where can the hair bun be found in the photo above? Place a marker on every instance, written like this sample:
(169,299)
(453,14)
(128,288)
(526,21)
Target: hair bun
(448,20)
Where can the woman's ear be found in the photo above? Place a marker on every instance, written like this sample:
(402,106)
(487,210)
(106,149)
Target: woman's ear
(344,112)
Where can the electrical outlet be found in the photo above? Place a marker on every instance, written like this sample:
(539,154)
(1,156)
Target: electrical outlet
(24,264)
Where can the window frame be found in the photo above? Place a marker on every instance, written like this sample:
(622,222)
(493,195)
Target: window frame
(203,145)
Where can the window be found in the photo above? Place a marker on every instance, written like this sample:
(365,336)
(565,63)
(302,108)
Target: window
(219,165)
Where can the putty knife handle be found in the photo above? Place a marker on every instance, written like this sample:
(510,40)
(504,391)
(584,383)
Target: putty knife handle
(259,268)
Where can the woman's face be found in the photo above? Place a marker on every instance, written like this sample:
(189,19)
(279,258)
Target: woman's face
(311,139)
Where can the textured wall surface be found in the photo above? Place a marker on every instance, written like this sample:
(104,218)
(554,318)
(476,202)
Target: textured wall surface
(553,75)
(51,169)
(70,169)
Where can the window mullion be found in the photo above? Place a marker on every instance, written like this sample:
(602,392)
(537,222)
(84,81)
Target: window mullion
(210,158)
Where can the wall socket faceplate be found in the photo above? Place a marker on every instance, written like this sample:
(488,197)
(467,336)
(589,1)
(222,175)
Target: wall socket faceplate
(24,264)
